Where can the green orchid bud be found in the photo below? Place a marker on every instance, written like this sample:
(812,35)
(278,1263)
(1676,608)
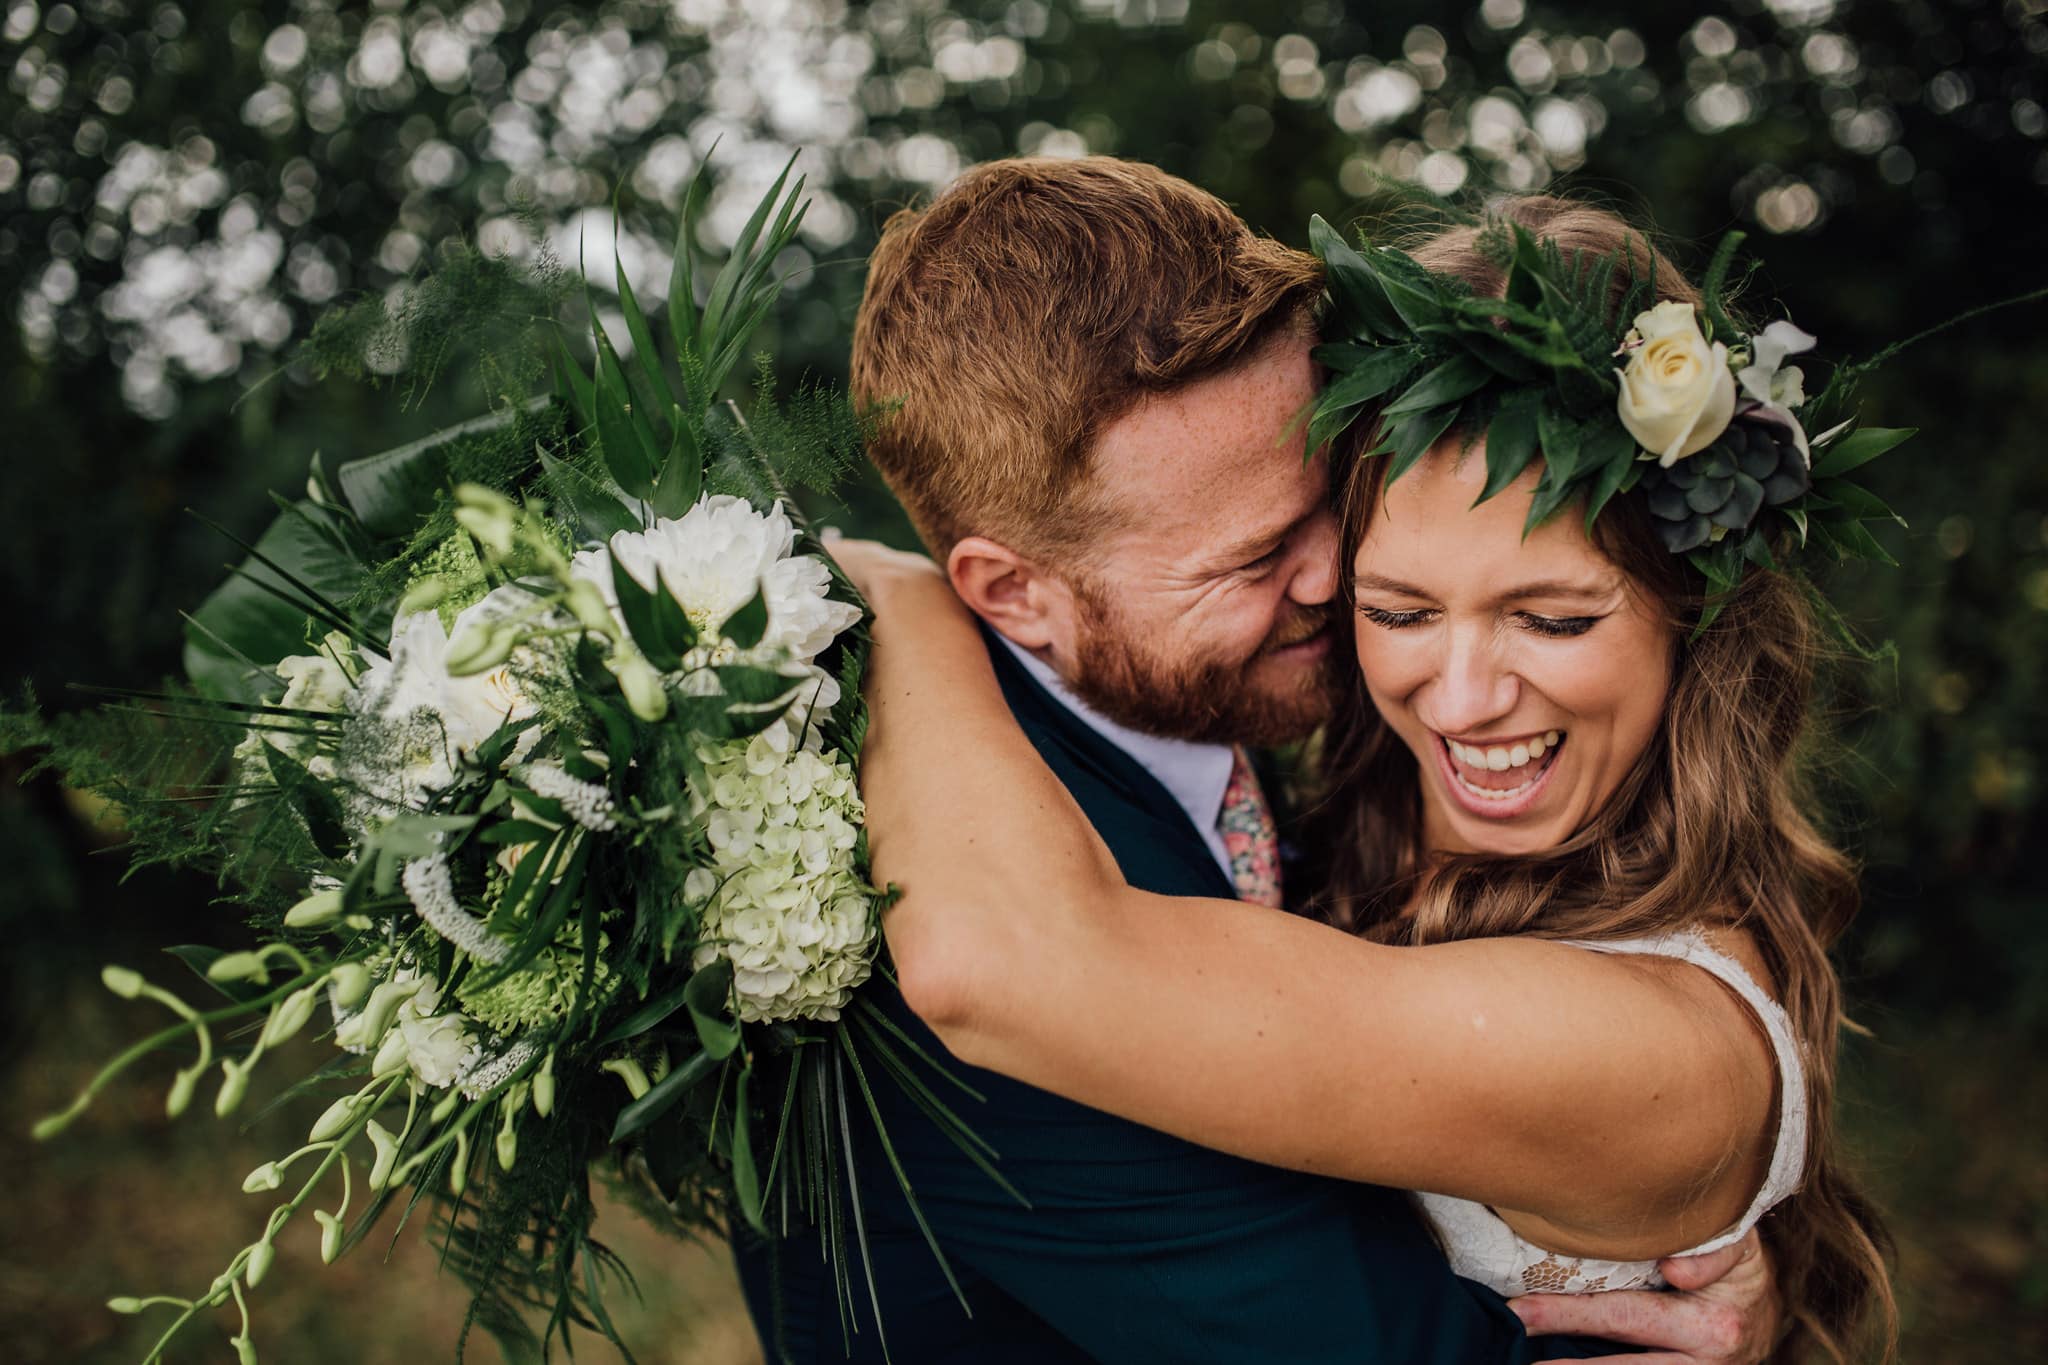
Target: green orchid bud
(335,1121)
(508,1140)
(478,648)
(645,696)
(586,603)
(424,595)
(320,908)
(268,1176)
(488,515)
(290,1015)
(183,1085)
(386,1148)
(629,1071)
(330,1235)
(383,1007)
(445,1106)
(392,1055)
(349,981)
(458,1169)
(261,1256)
(245,1351)
(544,1087)
(124,1304)
(234,1084)
(238,967)
(125,982)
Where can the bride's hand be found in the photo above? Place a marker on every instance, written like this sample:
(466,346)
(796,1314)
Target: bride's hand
(877,571)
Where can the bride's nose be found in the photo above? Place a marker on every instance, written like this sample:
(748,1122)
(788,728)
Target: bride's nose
(1472,687)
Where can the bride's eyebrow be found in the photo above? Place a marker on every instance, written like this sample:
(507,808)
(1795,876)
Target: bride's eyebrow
(1549,587)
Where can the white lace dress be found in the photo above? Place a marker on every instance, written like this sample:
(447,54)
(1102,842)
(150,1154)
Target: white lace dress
(1481,1247)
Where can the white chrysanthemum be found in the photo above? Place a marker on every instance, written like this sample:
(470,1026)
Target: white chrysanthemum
(713,558)
(781,898)
(443,717)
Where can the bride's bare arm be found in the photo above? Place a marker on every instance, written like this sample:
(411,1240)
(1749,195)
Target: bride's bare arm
(1609,1106)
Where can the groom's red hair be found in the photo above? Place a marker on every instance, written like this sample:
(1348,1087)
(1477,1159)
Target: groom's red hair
(1033,302)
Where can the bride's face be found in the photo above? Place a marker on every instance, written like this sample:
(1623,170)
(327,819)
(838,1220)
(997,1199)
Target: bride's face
(1526,675)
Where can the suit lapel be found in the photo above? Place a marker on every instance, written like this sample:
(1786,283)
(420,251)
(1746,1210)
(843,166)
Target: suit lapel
(1169,830)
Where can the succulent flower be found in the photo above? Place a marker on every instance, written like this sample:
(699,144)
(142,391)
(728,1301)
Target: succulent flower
(1754,465)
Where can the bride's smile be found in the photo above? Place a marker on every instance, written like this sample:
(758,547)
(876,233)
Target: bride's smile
(1521,671)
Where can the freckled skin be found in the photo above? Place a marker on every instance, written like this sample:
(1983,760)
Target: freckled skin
(1473,668)
(1192,473)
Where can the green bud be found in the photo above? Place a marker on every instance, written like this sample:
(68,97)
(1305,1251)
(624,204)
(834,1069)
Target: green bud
(335,1121)
(125,1304)
(50,1125)
(645,695)
(544,1087)
(268,1176)
(629,1071)
(392,1056)
(508,1141)
(445,1106)
(234,1083)
(386,1148)
(238,967)
(458,1169)
(489,516)
(349,980)
(245,1351)
(477,648)
(423,595)
(587,604)
(125,982)
(383,1007)
(320,908)
(290,1015)
(261,1255)
(182,1087)
(330,1235)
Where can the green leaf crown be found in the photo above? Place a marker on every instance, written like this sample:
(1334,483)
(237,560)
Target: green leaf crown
(1540,371)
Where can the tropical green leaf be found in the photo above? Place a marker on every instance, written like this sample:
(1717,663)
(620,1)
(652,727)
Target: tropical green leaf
(647,625)
(1856,449)
(704,996)
(391,491)
(746,1180)
(245,621)
(594,505)
(645,356)
(1362,305)
(682,473)
(1449,382)
(1561,437)
(1510,441)
(663,1094)
(746,626)
(1411,439)
(627,453)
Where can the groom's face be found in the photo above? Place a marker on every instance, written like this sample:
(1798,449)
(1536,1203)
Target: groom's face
(1205,614)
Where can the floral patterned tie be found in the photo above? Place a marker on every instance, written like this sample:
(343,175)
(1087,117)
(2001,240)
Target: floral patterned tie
(1246,823)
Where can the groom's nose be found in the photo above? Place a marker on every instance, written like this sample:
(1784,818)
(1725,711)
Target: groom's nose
(1315,582)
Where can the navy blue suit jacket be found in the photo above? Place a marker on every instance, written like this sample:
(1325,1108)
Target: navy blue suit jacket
(1139,1248)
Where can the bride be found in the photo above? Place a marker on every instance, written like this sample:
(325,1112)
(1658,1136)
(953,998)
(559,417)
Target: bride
(1566,969)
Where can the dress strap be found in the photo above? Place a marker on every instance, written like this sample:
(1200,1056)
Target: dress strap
(1788,1158)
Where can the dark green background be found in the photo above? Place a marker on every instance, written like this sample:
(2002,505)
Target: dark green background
(184,188)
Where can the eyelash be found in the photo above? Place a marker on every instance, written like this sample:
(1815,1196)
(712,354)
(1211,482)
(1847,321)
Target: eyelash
(1556,627)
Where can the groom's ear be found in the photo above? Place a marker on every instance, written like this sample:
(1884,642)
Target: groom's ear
(1015,595)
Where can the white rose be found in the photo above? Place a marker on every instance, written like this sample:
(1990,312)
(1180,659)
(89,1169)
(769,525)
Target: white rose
(1677,393)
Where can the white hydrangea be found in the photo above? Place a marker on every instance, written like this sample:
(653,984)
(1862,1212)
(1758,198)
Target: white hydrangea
(781,898)
(713,558)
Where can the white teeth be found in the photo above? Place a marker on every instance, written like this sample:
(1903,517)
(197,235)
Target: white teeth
(1550,738)
(1536,747)
(1519,755)
(1497,759)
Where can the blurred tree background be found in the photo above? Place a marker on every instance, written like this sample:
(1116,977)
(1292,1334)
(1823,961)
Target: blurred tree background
(184,187)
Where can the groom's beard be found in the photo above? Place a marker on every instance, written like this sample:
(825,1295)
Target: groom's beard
(1201,698)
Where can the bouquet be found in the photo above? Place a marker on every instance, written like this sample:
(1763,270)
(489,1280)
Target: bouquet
(528,750)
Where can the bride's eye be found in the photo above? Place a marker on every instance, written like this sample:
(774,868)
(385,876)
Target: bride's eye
(1558,626)
(1394,620)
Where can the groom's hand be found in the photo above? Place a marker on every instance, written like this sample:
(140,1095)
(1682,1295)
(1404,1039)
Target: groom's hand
(1724,1311)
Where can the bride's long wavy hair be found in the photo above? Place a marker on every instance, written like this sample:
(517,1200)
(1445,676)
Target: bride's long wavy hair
(1712,826)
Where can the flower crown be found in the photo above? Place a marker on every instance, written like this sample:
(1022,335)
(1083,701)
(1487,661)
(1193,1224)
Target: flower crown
(1679,407)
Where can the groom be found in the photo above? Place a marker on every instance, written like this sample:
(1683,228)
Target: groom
(1093,369)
